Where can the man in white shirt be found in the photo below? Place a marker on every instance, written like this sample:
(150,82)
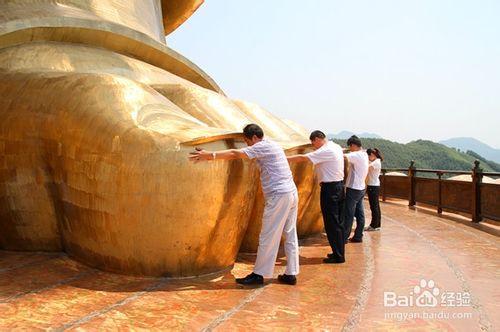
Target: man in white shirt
(281,204)
(355,189)
(328,160)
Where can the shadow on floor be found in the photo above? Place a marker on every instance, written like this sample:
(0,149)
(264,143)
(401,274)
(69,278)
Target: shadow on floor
(61,271)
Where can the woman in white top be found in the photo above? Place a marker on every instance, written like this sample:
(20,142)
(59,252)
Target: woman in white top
(373,187)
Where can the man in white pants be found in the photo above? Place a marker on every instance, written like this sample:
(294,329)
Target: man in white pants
(281,204)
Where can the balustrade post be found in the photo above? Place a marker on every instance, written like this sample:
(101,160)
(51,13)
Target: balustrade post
(477,175)
(411,177)
(440,193)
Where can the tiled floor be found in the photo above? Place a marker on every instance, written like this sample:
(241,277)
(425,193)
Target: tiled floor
(50,291)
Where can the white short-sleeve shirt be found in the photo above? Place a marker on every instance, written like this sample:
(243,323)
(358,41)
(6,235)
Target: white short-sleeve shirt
(358,169)
(328,162)
(374,169)
(275,174)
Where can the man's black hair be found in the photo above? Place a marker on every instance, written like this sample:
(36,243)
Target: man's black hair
(252,129)
(317,134)
(354,140)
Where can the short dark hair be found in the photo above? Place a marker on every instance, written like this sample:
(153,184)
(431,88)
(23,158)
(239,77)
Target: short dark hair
(376,152)
(317,134)
(354,140)
(252,129)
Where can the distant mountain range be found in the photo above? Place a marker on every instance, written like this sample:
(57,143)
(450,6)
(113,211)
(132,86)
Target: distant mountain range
(427,154)
(344,134)
(462,144)
(472,144)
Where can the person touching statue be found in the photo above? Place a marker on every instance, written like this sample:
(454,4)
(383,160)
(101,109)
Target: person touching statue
(281,204)
(328,161)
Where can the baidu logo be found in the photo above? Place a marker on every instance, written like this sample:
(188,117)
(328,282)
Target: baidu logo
(427,294)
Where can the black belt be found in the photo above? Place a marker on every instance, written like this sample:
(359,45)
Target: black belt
(329,183)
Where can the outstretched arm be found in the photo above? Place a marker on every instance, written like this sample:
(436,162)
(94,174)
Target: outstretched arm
(202,155)
(298,158)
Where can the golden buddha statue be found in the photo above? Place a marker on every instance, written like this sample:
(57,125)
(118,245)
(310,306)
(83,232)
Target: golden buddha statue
(98,116)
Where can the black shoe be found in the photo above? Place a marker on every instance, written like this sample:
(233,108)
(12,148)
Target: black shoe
(330,255)
(287,279)
(251,279)
(331,260)
(353,240)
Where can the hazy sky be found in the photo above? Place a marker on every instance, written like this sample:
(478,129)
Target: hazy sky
(403,69)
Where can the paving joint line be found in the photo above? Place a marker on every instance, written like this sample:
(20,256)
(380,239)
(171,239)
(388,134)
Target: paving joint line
(484,322)
(467,230)
(42,289)
(109,308)
(225,316)
(33,263)
(364,289)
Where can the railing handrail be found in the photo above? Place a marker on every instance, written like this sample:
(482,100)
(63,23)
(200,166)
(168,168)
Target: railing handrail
(394,169)
(491,173)
(442,171)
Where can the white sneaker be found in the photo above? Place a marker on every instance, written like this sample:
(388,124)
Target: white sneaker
(371,229)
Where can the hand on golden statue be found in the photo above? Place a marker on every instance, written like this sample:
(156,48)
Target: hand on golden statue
(200,155)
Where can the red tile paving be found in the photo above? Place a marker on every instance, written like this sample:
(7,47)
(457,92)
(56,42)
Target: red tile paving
(50,291)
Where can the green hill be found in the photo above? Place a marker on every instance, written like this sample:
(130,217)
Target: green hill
(426,154)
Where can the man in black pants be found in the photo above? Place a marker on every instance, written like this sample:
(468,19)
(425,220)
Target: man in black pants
(328,160)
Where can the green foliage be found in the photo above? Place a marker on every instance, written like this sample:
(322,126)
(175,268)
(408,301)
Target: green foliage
(495,166)
(426,154)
